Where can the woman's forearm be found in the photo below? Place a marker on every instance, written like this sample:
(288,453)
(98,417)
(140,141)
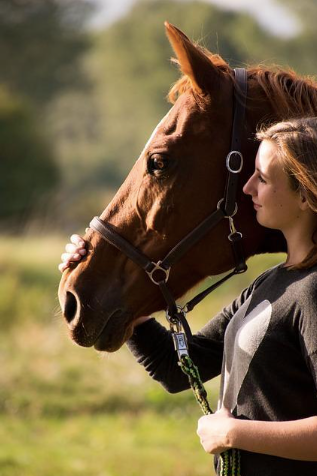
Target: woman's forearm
(291,439)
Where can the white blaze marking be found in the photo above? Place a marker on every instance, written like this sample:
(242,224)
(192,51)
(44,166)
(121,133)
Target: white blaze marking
(243,337)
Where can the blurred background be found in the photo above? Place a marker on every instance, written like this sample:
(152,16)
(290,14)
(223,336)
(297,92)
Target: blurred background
(82,85)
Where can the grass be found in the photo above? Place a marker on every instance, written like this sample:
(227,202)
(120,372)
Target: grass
(70,411)
(114,445)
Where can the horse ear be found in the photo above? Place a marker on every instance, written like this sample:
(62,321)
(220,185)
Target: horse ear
(193,62)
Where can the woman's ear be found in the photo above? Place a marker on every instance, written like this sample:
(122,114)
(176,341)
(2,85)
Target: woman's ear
(303,204)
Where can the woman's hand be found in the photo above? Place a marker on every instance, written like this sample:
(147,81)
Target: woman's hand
(215,431)
(74,252)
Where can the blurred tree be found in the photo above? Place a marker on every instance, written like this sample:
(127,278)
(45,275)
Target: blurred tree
(305,11)
(27,171)
(301,50)
(41,45)
(41,42)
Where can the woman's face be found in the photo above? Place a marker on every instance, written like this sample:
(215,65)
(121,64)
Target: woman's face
(277,205)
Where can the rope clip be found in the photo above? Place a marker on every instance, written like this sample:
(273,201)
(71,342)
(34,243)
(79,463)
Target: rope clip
(174,320)
(180,343)
(177,331)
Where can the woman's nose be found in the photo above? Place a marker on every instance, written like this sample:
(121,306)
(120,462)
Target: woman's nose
(247,188)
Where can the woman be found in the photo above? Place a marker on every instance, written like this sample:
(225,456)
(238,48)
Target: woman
(265,343)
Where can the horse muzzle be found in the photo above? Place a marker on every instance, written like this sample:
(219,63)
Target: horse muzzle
(104,325)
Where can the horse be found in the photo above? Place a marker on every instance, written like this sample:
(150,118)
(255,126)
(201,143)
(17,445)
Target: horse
(177,181)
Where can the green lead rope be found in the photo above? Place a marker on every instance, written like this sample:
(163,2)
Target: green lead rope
(230,459)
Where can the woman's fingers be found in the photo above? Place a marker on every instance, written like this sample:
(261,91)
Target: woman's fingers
(70,248)
(74,251)
(63,266)
(77,240)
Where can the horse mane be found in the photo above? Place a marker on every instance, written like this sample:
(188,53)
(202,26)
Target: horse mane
(289,94)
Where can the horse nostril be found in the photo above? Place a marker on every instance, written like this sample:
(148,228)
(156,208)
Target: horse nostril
(70,307)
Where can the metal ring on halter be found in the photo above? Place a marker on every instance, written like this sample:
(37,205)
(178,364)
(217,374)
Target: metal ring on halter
(235,233)
(235,208)
(158,267)
(238,170)
(174,321)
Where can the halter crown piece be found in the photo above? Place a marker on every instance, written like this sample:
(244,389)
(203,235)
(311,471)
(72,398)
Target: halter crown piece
(159,272)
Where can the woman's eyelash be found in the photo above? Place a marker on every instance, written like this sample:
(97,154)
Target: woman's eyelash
(261,179)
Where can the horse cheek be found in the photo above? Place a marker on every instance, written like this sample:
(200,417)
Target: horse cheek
(155,218)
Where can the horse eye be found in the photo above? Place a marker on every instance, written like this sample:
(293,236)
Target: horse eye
(157,163)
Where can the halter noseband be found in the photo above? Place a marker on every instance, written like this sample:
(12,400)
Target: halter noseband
(226,208)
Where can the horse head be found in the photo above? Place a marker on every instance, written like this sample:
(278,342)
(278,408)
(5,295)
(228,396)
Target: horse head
(173,186)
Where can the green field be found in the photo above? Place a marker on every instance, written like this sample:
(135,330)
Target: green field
(70,411)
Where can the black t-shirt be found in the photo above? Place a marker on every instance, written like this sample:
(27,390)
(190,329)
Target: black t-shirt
(265,347)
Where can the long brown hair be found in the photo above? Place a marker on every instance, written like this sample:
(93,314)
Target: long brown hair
(296,142)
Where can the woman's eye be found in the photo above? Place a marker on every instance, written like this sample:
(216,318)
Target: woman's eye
(261,179)
(157,163)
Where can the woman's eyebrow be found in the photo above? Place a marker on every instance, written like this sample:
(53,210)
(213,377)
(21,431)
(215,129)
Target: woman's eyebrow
(261,173)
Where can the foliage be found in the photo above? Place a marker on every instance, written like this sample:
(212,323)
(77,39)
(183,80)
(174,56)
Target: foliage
(40,45)
(300,51)
(27,170)
(305,12)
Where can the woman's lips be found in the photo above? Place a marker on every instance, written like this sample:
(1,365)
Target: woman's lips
(256,206)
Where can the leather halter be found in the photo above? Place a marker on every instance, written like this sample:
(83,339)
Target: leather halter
(226,208)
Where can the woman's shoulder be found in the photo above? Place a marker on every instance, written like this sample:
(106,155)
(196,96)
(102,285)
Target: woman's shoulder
(308,280)
(301,285)
(293,284)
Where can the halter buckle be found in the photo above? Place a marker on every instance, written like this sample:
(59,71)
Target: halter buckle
(158,268)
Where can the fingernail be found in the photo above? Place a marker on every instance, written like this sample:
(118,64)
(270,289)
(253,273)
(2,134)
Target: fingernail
(82,252)
(76,256)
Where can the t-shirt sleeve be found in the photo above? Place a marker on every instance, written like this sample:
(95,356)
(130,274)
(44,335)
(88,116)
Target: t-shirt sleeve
(152,345)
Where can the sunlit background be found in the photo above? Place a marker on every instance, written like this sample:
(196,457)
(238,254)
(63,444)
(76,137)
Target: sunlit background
(82,85)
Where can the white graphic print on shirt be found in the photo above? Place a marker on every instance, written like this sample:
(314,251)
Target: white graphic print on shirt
(243,337)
